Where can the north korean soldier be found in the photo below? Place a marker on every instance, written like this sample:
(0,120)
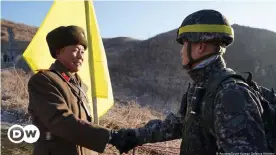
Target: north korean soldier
(58,104)
(231,123)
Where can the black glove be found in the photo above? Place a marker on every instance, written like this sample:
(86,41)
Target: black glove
(124,139)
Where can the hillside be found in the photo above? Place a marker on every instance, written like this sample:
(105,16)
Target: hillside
(150,72)
(147,72)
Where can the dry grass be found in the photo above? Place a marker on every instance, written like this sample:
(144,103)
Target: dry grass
(9,148)
(125,114)
(131,115)
(128,115)
(14,96)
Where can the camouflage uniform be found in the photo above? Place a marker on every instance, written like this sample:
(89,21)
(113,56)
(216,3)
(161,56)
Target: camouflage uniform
(234,123)
(237,124)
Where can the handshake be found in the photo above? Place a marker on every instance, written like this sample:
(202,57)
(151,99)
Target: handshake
(124,139)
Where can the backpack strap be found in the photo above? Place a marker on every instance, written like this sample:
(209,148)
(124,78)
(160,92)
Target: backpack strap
(213,83)
(211,87)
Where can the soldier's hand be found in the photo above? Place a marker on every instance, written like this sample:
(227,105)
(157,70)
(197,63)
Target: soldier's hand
(124,139)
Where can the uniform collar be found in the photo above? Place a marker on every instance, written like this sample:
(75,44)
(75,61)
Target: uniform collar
(59,67)
(199,75)
(67,75)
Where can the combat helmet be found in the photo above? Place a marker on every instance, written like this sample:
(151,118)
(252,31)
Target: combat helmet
(205,26)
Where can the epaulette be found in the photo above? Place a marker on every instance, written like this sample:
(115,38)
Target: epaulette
(42,70)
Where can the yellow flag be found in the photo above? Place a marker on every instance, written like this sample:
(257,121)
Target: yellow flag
(64,13)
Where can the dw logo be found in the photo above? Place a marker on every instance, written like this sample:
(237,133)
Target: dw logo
(29,133)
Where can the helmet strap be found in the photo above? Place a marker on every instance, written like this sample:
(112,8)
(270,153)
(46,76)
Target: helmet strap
(193,61)
(190,58)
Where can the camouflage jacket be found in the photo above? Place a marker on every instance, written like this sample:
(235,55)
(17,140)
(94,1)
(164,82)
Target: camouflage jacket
(236,125)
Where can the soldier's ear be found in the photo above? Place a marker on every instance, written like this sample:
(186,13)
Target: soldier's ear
(201,48)
(58,52)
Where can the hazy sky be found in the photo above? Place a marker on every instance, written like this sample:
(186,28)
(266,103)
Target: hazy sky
(143,19)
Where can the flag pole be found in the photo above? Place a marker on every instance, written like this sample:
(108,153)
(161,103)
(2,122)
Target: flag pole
(91,62)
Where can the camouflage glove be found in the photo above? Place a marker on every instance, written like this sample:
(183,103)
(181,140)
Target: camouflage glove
(124,139)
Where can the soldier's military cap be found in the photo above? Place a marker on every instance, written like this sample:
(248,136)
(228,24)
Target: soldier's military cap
(206,26)
(64,36)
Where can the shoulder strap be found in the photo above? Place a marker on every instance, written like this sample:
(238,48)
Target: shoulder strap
(213,83)
(211,88)
(53,71)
